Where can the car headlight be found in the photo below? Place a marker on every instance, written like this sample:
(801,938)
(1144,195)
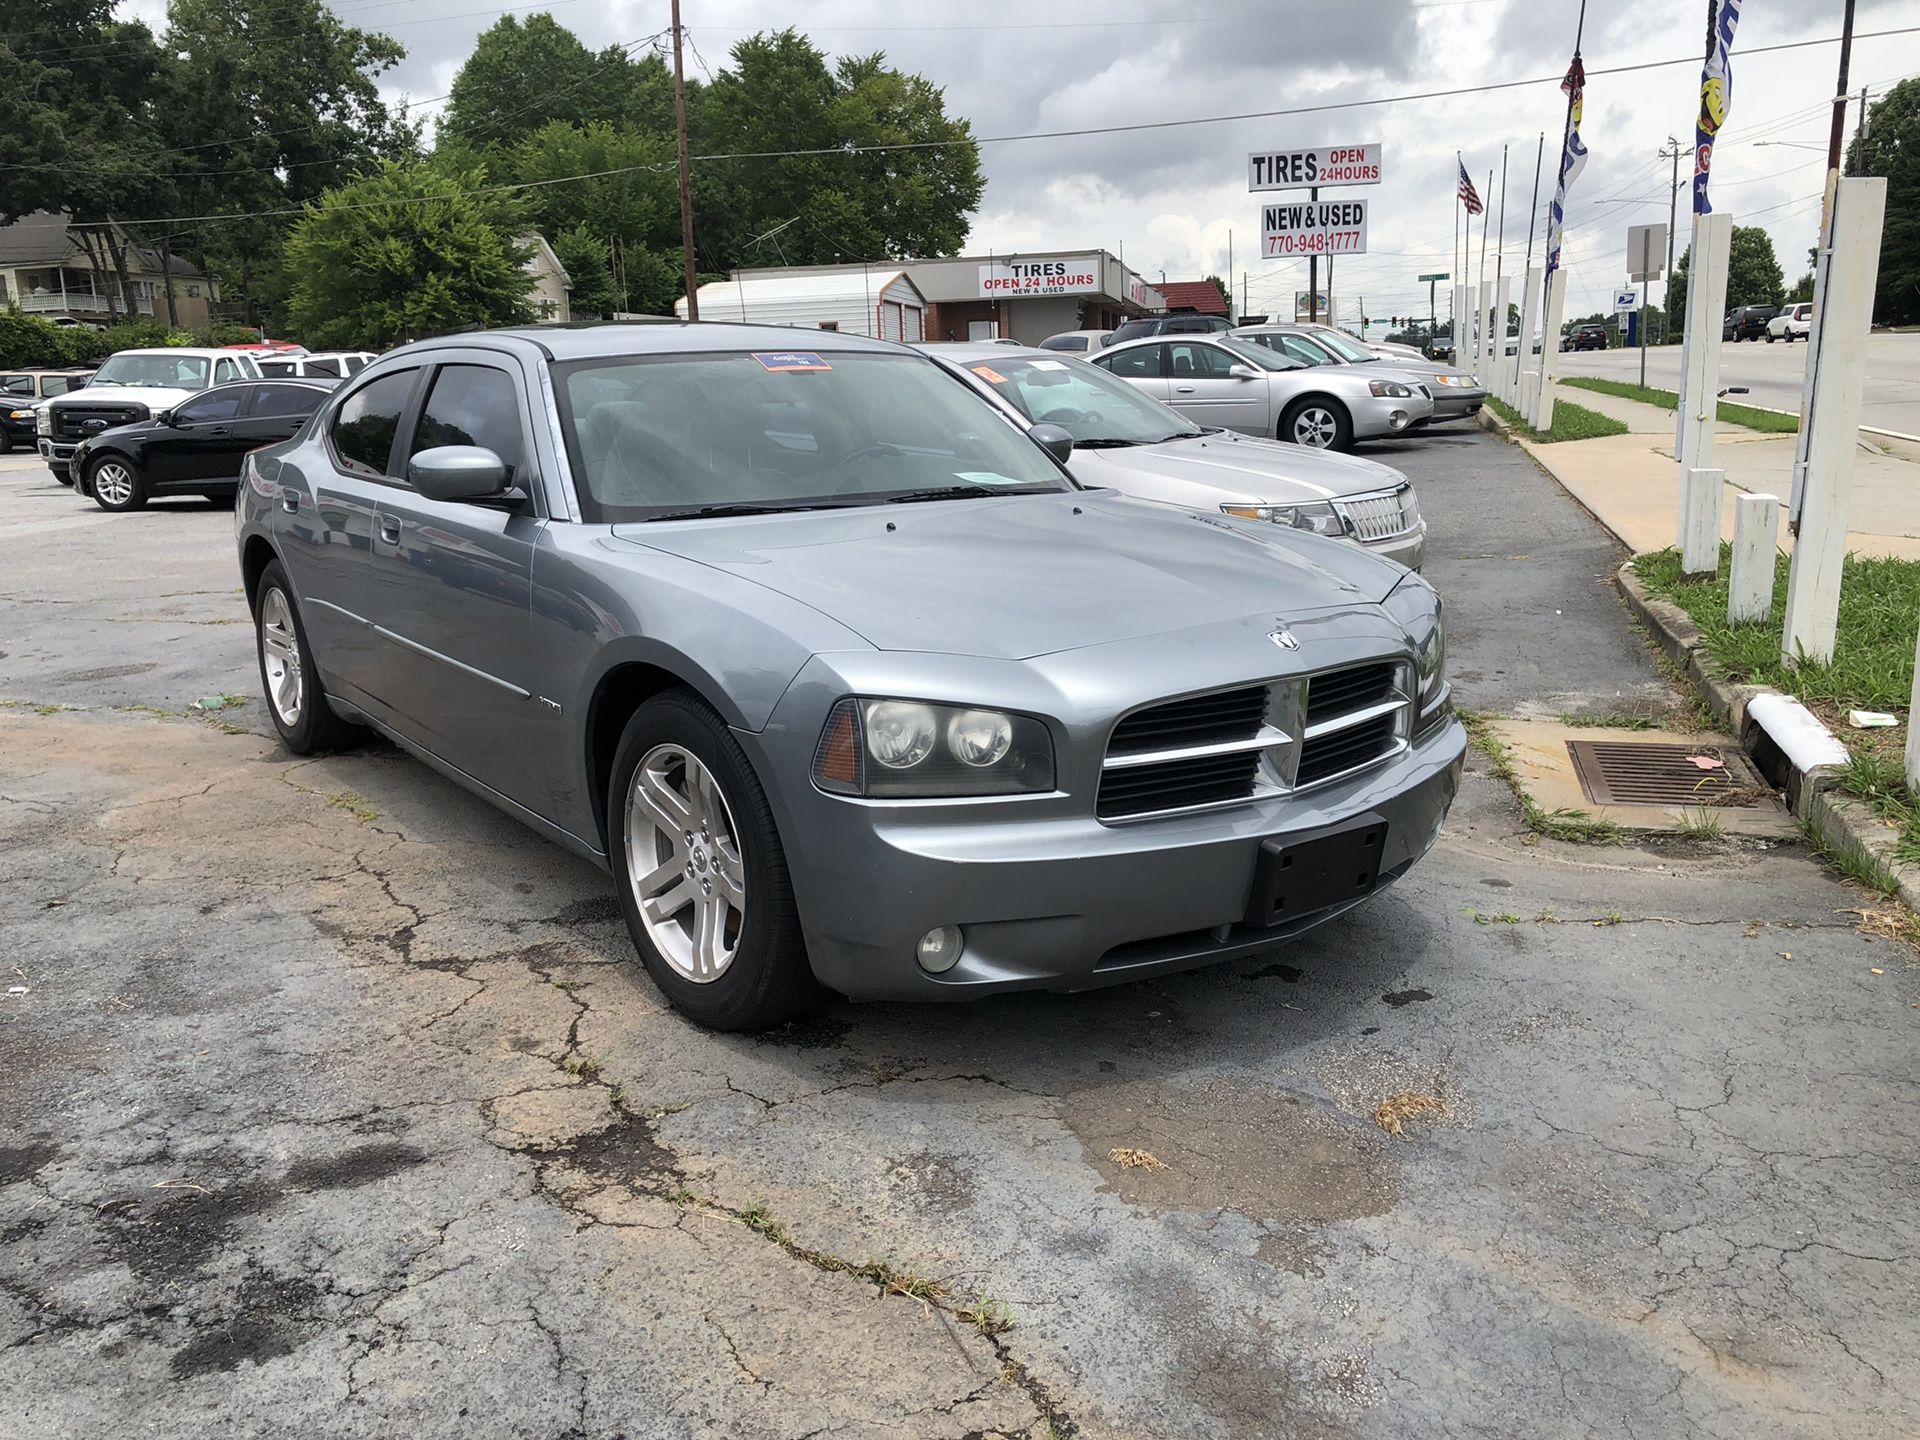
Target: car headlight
(1416,606)
(1393,388)
(43,421)
(1318,516)
(892,749)
(1464,382)
(20,414)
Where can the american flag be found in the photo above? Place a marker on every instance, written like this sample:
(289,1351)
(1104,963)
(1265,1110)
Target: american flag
(1469,196)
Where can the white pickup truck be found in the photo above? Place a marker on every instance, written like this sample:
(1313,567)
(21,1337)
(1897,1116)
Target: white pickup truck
(129,387)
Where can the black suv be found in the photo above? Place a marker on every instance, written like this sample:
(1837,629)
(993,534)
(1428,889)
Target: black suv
(1185,324)
(1749,322)
(1587,337)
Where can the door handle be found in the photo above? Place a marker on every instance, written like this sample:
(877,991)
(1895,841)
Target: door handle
(390,529)
(219,430)
(1183,389)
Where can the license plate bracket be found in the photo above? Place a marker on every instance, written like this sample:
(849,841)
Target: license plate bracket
(1299,874)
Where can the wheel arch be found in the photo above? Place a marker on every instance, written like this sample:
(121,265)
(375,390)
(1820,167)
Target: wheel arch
(257,554)
(617,694)
(1325,397)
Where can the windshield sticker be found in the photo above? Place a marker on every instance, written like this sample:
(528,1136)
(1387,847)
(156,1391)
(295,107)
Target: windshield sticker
(1046,364)
(989,374)
(985,477)
(778,360)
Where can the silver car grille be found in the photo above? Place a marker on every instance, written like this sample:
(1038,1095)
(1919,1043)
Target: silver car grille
(1380,517)
(1279,737)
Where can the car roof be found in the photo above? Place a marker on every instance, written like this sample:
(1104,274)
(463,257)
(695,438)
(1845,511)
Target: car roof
(49,369)
(607,341)
(983,350)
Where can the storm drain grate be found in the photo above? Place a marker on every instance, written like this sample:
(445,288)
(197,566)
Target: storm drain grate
(1647,772)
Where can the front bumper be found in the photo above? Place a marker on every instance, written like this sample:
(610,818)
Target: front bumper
(1070,903)
(1378,416)
(1408,549)
(1454,403)
(59,456)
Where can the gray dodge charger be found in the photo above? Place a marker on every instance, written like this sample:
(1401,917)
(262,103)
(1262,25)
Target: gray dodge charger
(836,669)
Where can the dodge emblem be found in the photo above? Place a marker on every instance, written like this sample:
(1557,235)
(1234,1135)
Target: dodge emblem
(1283,637)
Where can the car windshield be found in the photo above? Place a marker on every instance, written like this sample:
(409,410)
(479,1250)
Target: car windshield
(657,438)
(1350,351)
(1134,329)
(1256,354)
(165,372)
(1096,408)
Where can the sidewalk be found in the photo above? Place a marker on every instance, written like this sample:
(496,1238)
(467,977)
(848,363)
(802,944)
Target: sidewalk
(1632,482)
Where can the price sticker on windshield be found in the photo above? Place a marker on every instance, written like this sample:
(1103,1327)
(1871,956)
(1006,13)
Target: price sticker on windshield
(989,374)
(786,360)
(1047,364)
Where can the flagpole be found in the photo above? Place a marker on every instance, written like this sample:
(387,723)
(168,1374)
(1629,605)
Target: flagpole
(1459,270)
(1533,215)
(1486,215)
(1566,134)
(1500,260)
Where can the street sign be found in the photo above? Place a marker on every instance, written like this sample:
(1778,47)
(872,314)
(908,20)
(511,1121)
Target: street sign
(1300,230)
(1308,305)
(1625,302)
(1646,252)
(1424,279)
(1327,165)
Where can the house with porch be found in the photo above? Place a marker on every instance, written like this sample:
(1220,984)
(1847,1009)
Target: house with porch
(45,270)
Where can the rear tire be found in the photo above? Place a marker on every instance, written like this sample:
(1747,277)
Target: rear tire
(296,701)
(712,917)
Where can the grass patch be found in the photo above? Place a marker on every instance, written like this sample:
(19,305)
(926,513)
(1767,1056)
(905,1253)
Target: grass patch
(1574,826)
(1701,825)
(1618,720)
(988,1316)
(1769,422)
(1570,422)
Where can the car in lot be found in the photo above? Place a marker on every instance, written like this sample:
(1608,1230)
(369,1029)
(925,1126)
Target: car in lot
(1791,324)
(1124,441)
(1585,337)
(836,670)
(1747,322)
(1183,323)
(1456,395)
(131,386)
(1227,381)
(321,364)
(21,391)
(1078,342)
(197,447)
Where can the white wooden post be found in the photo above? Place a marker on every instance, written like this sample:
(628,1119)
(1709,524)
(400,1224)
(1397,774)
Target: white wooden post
(1529,307)
(1913,727)
(1813,589)
(1756,527)
(1502,303)
(1700,521)
(1706,307)
(1549,352)
(1482,355)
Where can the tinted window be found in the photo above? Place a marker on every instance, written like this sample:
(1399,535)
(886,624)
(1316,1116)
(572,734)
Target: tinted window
(328,366)
(364,427)
(278,367)
(1133,330)
(214,405)
(473,405)
(286,400)
(1141,363)
(17,385)
(355,364)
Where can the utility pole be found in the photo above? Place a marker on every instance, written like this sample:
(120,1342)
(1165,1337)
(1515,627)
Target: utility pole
(1313,274)
(1230,275)
(686,175)
(1672,150)
(1838,130)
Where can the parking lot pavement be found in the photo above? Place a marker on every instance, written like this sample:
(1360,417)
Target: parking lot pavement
(335,1107)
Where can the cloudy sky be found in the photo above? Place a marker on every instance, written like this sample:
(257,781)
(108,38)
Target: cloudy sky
(1168,198)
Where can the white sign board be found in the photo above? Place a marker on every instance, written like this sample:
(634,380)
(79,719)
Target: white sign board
(1296,230)
(1327,165)
(1018,279)
(1308,306)
(1625,302)
(1646,251)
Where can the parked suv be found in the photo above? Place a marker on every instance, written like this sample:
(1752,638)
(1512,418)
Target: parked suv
(21,392)
(1170,325)
(1749,322)
(1791,324)
(129,387)
(1586,337)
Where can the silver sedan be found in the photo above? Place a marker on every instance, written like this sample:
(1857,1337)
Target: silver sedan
(1456,394)
(1224,381)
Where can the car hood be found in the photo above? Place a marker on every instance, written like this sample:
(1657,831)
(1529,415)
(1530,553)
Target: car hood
(1013,577)
(1239,467)
(155,398)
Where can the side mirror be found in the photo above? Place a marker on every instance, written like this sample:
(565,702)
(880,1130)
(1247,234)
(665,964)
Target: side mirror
(1244,372)
(1056,440)
(165,417)
(457,472)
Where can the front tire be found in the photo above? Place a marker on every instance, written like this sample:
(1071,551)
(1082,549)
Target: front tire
(700,871)
(295,698)
(116,484)
(1317,424)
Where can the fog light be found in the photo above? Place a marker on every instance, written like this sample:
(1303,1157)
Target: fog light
(939,949)
(1398,419)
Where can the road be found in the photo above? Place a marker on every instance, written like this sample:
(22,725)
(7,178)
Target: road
(336,1106)
(1773,374)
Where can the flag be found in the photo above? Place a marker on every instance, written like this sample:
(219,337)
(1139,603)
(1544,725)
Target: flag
(1469,196)
(1716,95)
(1573,159)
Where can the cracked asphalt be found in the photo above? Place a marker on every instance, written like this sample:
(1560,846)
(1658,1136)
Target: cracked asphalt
(334,1106)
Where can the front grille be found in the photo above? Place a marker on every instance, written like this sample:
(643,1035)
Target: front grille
(1325,756)
(1200,720)
(1178,784)
(70,420)
(1381,517)
(1342,690)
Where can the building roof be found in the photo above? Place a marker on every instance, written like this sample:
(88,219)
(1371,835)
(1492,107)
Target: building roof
(1202,297)
(735,299)
(537,243)
(44,238)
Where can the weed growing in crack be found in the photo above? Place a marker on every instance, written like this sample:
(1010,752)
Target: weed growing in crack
(1505,917)
(585,1066)
(617,1097)
(988,1315)
(675,1108)
(1701,825)
(684,1198)
(1574,826)
(346,800)
(1608,917)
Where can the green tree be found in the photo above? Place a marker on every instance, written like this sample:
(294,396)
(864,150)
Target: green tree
(1753,274)
(585,257)
(523,74)
(407,252)
(1890,147)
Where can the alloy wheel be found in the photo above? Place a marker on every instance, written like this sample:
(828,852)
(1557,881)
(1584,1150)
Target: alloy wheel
(113,483)
(1315,427)
(685,865)
(280,657)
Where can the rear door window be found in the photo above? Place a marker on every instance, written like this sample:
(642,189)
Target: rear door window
(473,405)
(1142,363)
(326,366)
(364,427)
(270,400)
(211,406)
(1204,362)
